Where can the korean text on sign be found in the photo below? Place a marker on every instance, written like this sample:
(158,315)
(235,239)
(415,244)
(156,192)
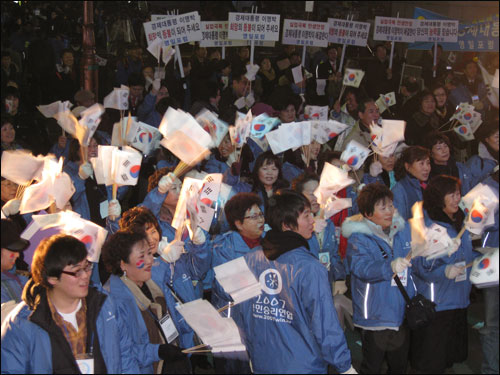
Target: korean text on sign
(348,32)
(254,26)
(305,33)
(173,30)
(395,29)
(442,31)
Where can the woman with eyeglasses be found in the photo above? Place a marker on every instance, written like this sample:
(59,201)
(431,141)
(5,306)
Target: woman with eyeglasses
(156,328)
(63,326)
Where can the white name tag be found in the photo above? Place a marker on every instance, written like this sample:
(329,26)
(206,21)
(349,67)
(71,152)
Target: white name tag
(403,276)
(86,365)
(463,276)
(168,328)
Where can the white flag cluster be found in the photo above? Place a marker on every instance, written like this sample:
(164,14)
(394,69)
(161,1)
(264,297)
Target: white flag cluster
(289,135)
(333,179)
(469,119)
(479,204)
(211,123)
(115,166)
(323,131)
(386,101)
(385,139)
(118,98)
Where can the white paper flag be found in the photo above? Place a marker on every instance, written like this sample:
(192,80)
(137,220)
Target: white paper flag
(355,154)
(213,126)
(117,99)
(333,179)
(316,113)
(251,71)
(465,132)
(126,166)
(297,74)
(353,77)
(21,167)
(323,131)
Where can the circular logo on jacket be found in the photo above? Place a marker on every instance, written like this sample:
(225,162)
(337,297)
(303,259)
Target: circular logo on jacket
(270,281)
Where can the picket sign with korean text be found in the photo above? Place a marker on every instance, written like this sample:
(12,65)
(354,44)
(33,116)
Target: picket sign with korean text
(174,29)
(394,29)
(305,33)
(348,32)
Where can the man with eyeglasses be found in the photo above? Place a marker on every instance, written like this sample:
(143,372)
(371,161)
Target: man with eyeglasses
(62,325)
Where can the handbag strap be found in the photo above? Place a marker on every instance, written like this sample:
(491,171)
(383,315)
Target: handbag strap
(396,278)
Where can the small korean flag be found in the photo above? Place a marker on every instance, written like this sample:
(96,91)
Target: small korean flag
(353,77)
(355,154)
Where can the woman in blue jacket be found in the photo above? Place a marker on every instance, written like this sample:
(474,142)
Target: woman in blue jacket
(412,171)
(445,281)
(156,328)
(442,162)
(63,326)
(379,241)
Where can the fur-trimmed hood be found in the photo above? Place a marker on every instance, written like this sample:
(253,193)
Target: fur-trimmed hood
(359,224)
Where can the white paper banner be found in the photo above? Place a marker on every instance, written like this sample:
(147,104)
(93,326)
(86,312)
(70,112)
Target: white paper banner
(254,26)
(305,33)
(348,32)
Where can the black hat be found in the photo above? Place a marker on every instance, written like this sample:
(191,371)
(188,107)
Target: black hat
(11,239)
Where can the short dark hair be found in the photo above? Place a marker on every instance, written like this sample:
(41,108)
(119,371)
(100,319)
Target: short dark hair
(136,79)
(326,157)
(409,155)
(136,218)
(363,102)
(299,182)
(436,137)
(284,208)
(238,205)
(117,248)
(263,159)
(437,188)
(371,195)
(164,103)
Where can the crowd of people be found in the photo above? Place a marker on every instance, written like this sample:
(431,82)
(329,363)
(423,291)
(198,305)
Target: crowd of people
(69,315)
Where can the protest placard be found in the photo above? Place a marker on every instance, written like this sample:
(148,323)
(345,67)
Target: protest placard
(394,29)
(348,32)
(254,26)
(174,30)
(305,33)
(440,31)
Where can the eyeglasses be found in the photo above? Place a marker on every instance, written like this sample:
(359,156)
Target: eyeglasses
(86,269)
(255,216)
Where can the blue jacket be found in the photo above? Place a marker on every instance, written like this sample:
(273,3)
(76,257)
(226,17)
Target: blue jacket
(473,171)
(291,171)
(11,289)
(215,166)
(406,192)
(145,353)
(376,302)
(369,179)
(147,113)
(431,281)
(30,351)
(226,247)
(490,234)
(292,326)
(330,245)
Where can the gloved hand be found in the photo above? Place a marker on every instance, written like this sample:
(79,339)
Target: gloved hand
(352,370)
(11,207)
(114,209)
(339,287)
(162,244)
(319,224)
(400,264)
(375,169)
(199,237)
(85,170)
(170,353)
(236,168)
(452,271)
(455,244)
(166,183)
(360,187)
(157,84)
(172,251)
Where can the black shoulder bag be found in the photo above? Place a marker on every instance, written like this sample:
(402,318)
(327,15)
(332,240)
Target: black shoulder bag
(419,310)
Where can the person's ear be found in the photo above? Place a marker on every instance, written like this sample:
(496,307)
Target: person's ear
(239,225)
(52,280)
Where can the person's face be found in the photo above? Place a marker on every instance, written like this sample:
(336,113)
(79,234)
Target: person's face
(381,53)
(351,103)
(241,87)
(451,202)
(8,133)
(371,114)
(226,71)
(173,194)
(135,53)
(226,147)
(420,169)
(428,105)
(288,114)
(73,287)
(140,261)
(136,91)
(492,141)
(148,72)
(265,65)
(187,68)
(332,54)
(314,149)
(305,224)
(8,259)
(162,93)
(253,223)
(6,61)
(268,173)
(152,237)
(201,52)
(440,96)
(387,162)
(92,149)
(308,191)
(471,71)
(215,55)
(295,60)
(68,59)
(244,53)
(383,211)
(13,104)
(440,153)
(9,190)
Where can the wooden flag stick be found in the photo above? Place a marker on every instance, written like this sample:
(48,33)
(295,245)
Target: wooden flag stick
(129,123)
(356,175)
(462,231)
